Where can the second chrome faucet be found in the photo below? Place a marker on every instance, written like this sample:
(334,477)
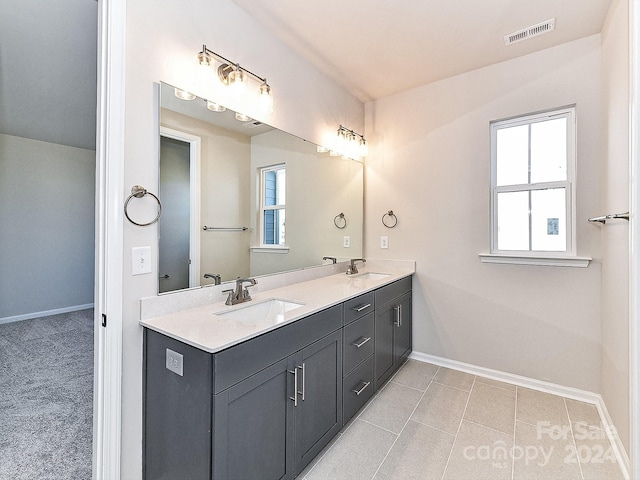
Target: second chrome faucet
(240,294)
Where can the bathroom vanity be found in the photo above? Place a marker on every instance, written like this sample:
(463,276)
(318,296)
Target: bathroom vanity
(259,389)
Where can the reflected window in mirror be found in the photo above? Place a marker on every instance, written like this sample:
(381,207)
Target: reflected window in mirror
(273,201)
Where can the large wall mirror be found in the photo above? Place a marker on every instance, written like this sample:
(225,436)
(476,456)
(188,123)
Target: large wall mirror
(241,198)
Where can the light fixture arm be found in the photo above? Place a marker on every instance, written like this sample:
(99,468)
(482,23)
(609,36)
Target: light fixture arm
(347,132)
(231,65)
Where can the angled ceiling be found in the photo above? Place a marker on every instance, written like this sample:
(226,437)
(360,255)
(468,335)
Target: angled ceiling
(48,70)
(375,48)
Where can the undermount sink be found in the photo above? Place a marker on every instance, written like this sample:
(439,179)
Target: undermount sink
(372,276)
(272,310)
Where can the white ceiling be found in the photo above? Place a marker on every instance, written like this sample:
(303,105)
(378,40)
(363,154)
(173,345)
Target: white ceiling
(375,48)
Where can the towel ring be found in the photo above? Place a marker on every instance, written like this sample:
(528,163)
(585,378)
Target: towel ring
(340,221)
(392,215)
(138,191)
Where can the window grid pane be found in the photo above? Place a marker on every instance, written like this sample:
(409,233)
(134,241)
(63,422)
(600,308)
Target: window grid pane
(532,175)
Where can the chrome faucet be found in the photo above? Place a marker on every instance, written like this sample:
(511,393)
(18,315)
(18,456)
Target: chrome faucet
(217,278)
(240,294)
(352,268)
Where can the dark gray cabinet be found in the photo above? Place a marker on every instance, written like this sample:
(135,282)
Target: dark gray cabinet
(266,407)
(393,329)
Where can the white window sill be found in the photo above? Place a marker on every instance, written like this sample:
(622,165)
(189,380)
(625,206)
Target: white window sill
(270,249)
(579,262)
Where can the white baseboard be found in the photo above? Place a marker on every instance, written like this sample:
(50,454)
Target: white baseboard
(46,313)
(542,386)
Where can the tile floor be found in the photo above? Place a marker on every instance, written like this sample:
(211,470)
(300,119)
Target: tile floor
(432,422)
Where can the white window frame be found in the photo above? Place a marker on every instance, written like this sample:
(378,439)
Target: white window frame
(264,208)
(567,257)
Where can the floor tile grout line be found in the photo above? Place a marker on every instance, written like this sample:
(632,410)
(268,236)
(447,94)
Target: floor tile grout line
(405,425)
(573,437)
(458,431)
(451,386)
(485,426)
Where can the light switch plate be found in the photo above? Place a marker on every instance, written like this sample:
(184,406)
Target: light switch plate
(140,260)
(174,362)
(346,241)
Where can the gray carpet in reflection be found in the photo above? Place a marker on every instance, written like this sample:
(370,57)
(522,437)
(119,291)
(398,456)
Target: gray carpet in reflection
(46,397)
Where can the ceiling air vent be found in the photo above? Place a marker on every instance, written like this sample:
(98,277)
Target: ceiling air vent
(530,32)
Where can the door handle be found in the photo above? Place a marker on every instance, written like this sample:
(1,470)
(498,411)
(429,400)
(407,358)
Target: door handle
(295,386)
(164,277)
(303,380)
(398,321)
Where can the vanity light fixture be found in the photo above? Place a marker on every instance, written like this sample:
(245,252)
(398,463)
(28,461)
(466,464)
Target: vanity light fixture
(234,76)
(351,143)
(215,107)
(183,94)
(241,117)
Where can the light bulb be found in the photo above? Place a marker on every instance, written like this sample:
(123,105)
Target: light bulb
(266,99)
(215,107)
(204,59)
(333,153)
(237,84)
(183,94)
(364,149)
(242,117)
(321,149)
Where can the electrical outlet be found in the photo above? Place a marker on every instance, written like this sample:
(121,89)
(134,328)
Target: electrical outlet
(140,260)
(384,241)
(174,362)
(346,241)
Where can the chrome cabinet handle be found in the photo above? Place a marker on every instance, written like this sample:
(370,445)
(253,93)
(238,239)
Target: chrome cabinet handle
(400,314)
(303,381)
(397,322)
(295,386)
(362,307)
(364,387)
(359,344)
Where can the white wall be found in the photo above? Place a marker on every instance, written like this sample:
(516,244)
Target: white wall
(47,194)
(163,38)
(615,235)
(429,163)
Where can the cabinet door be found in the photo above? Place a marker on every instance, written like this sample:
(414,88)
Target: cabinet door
(318,416)
(402,341)
(384,333)
(253,426)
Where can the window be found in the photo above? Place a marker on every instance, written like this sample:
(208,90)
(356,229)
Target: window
(272,205)
(532,185)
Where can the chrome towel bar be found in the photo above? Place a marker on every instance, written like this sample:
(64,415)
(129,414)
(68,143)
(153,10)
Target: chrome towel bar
(603,219)
(225,229)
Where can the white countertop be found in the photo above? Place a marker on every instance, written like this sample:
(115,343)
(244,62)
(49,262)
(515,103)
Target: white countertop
(203,329)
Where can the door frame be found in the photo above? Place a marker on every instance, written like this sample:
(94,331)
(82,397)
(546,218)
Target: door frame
(194,198)
(634,237)
(109,246)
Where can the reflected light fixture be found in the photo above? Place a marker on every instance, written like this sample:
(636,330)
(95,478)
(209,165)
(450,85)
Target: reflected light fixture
(183,94)
(321,149)
(236,77)
(242,117)
(215,107)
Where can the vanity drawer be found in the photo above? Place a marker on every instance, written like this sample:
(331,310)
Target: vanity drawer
(357,307)
(393,290)
(357,388)
(358,342)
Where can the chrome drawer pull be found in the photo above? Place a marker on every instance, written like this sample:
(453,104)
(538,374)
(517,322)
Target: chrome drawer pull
(303,381)
(364,340)
(362,307)
(364,387)
(295,386)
